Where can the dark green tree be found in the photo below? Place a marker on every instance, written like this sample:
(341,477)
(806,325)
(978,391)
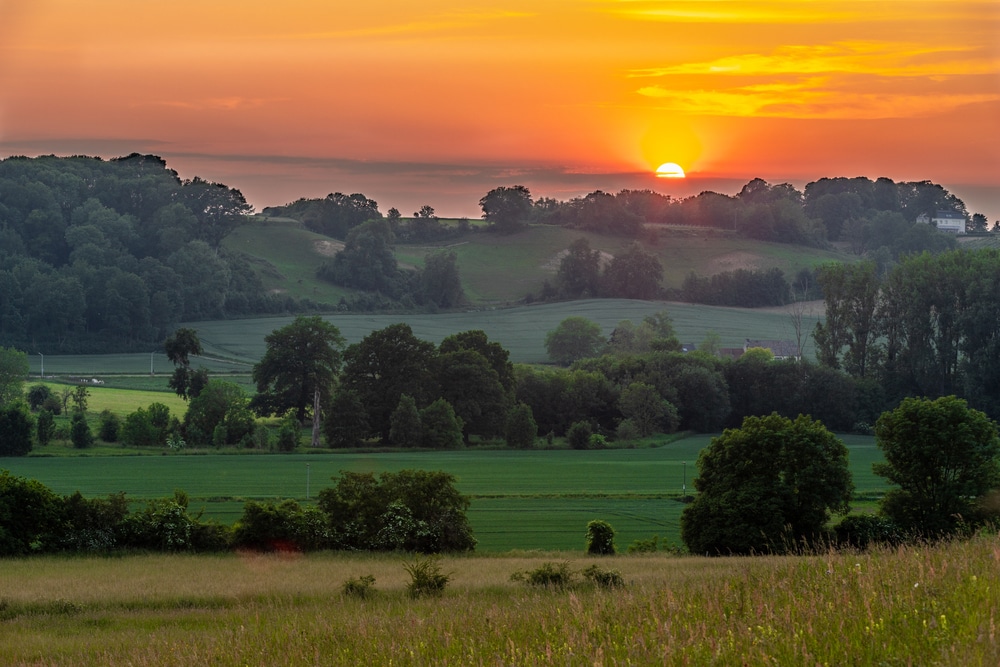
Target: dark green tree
(219,411)
(37,395)
(405,429)
(579,273)
(634,274)
(943,456)
(471,386)
(600,538)
(79,431)
(642,404)
(507,208)
(346,422)
(13,373)
(494,353)
(45,427)
(383,366)
(574,338)
(440,281)
(29,514)
(15,430)
(441,427)
(301,359)
(180,347)
(521,427)
(766,487)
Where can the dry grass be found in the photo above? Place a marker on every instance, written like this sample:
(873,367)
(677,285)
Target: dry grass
(917,605)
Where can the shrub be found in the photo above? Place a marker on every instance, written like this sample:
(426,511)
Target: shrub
(627,431)
(46,427)
(604,578)
(363,587)
(426,578)
(288,433)
(521,427)
(644,546)
(80,431)
(864,530)
(578,435)
(550,575)
(15,431)
(597,441)
(37,395)
(600,538)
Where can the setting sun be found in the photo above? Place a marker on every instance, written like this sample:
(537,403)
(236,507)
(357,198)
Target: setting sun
(670,170)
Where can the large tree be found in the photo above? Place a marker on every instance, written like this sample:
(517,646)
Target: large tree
(943,455)
(385,365)
(574,338)
(633,274)
(180,347)
(13,373)
(507,208)
(766,486)
(301,359)
(579,273)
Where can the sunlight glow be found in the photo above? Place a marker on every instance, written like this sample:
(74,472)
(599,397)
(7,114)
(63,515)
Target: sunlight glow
(670,170)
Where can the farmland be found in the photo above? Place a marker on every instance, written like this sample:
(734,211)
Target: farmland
(915,605)
(520,499)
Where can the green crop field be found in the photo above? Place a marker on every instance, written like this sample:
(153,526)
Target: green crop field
(520,499)
(233,346)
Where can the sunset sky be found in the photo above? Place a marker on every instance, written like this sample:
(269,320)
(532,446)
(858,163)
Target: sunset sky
(436,102)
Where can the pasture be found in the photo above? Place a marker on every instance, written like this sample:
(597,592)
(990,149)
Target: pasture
(519,499)
(919,605)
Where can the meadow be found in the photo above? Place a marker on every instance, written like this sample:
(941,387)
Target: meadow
(539,499)
(915,605)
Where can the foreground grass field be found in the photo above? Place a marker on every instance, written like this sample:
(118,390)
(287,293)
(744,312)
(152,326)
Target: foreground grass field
(520,499)
(924,605)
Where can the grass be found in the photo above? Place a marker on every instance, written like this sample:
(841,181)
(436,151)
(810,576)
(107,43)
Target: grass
(520,499)
(926,605)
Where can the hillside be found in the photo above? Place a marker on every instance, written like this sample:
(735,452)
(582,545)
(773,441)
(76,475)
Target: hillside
(500,269)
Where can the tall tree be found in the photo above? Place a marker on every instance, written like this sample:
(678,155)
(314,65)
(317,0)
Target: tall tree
(13,374)
(851,293)
(579,273)
(301,359)
(180,347)
(943,455)
(574,338)
(634,274)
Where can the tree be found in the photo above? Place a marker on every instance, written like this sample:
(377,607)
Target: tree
(574,338)
(301,359)
(634,274)
(851,292)
(440,281)
(79,431)
(37,395)
(642,404)
(507,208)
(383,366)
(45,427)
(180,347)
(13,374)
(15,431)
(218,415)
(366,261)
(412,510)
(441,427)
(346,423)
(405,429)
(521,427)
(943,455)
(600,538)
(473,389)
(579,273)
(766,486)
(30,515)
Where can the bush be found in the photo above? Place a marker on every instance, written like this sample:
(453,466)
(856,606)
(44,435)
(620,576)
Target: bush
(627,431)
(861,531)
(550,575)
(289,433)
(578,435)
(645,546)
(426,578)
(604,578)
(521,427)
(600,538)
(15,431)
(37,395)
(46,427)
(362,588)
(80,431)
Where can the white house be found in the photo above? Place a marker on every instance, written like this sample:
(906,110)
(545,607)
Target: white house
(945,221)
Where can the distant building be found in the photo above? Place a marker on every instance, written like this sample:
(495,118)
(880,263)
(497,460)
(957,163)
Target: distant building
(952,222)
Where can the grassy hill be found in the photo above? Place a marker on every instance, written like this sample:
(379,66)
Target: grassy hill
(501,270)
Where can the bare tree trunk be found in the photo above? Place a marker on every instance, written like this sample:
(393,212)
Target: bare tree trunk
(315,433)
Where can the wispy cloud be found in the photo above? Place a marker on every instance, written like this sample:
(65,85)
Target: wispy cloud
(840,80)
(445,22)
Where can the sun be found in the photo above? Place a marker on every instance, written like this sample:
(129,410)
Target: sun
(670,170)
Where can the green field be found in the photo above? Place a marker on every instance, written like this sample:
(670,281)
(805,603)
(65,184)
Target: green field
(520,499)
(233,346)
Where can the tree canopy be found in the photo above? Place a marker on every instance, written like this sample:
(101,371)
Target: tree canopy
(766,486)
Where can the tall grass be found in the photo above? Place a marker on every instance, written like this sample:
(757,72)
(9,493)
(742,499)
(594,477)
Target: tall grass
(920,605)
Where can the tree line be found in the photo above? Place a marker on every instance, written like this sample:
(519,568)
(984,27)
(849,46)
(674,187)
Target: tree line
(411,510)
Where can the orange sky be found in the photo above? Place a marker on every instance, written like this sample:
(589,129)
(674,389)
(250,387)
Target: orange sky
(436,102)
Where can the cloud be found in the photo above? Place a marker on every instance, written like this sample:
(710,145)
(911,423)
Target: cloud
(861,80)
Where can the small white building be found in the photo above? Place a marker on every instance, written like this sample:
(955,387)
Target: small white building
(946,221)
